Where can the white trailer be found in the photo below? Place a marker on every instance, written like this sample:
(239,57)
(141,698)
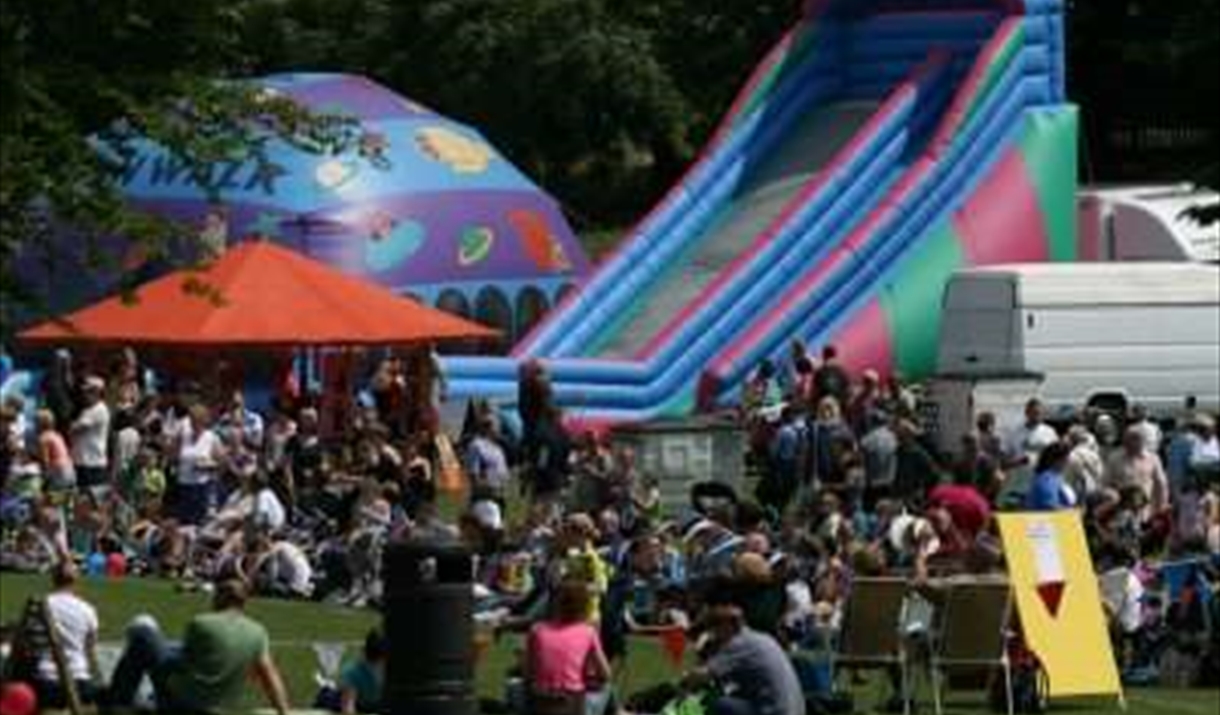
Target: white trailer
(1105,334)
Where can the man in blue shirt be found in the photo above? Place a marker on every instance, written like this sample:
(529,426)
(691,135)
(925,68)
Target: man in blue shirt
(1048,491)
(243,425)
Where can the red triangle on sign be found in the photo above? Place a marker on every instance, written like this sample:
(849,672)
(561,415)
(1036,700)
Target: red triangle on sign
(1051,593)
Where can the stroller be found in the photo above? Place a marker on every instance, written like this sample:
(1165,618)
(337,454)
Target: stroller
(1189,617)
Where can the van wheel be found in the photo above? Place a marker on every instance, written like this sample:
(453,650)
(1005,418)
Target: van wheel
(1115,405)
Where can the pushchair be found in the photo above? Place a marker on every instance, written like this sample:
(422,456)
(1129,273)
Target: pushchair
(1189,620)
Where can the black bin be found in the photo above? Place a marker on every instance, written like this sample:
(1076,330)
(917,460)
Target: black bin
(428,611)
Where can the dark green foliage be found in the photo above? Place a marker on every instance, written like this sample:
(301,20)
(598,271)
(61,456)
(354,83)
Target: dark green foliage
(602,101)
(1146,74)
(82,79)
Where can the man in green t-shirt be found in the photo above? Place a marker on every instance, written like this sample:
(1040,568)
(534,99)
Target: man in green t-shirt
(207,672)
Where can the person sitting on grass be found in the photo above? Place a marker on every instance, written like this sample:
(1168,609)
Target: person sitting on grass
(276,567)
(754,671)
(361,682)
(565,665)
(76,624)
(207,672)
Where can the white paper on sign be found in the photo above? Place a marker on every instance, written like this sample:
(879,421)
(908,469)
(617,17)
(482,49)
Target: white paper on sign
(1048,566)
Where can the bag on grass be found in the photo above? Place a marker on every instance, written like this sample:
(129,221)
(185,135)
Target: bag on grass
(688,705)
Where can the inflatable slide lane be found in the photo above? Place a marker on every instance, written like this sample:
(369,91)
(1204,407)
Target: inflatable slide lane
(879,146)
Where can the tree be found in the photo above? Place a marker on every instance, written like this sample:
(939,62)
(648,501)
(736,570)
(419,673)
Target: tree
(82,81)
(566,87)
(1136,66)
(603,102)
(1197,32)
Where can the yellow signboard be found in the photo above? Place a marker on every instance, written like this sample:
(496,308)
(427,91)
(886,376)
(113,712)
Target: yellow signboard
(1059,601)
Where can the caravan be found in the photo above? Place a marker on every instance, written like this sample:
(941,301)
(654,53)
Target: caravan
(1146,223)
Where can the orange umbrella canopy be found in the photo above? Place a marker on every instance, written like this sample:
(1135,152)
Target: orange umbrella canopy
(258,294)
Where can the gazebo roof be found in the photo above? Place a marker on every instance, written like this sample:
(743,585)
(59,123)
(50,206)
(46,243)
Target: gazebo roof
(257,294)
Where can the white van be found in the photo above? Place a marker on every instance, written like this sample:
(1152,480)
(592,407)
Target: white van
(1107,334)
(1145,223)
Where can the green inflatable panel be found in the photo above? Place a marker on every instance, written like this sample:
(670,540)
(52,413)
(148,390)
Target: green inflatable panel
(912,300)
(1048,144)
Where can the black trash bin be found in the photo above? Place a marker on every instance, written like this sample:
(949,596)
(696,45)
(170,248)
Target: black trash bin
(428,610)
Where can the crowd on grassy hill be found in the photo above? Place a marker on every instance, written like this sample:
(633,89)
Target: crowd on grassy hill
(126,473)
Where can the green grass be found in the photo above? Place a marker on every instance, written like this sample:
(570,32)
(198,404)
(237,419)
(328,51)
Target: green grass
(293,626)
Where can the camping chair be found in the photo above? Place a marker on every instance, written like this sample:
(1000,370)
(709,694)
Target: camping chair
(869,636)
(329,661)
(974,632)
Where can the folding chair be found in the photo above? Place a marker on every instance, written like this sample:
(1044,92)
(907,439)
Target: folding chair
(329,658)
(869,637)
(974,633)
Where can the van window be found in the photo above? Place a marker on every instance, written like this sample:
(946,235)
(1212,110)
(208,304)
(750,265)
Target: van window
(980,294)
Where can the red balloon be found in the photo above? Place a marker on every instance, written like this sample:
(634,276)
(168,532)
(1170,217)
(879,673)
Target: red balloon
(116,565)
(18,699)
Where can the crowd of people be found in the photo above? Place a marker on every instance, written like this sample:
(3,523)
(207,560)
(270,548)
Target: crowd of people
(121,473)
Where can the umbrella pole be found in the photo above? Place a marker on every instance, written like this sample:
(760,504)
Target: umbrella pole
(303,372)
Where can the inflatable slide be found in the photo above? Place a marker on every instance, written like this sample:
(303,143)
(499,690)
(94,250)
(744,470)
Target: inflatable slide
(879,146)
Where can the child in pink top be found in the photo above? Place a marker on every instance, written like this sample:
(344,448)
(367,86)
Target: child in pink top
(559,652)
(564,658)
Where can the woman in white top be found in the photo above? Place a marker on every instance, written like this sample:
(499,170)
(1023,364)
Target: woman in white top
(278,567)
(254,504)
(90,435)
(201,454)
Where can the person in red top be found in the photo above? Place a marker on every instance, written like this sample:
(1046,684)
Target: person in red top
(564,661)
(958,513)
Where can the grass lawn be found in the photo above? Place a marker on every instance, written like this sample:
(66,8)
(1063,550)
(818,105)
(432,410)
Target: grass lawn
(293,626)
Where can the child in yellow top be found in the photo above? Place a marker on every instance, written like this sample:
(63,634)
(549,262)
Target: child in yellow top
(582,562)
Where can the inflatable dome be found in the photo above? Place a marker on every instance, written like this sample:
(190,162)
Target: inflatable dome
(424,205)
